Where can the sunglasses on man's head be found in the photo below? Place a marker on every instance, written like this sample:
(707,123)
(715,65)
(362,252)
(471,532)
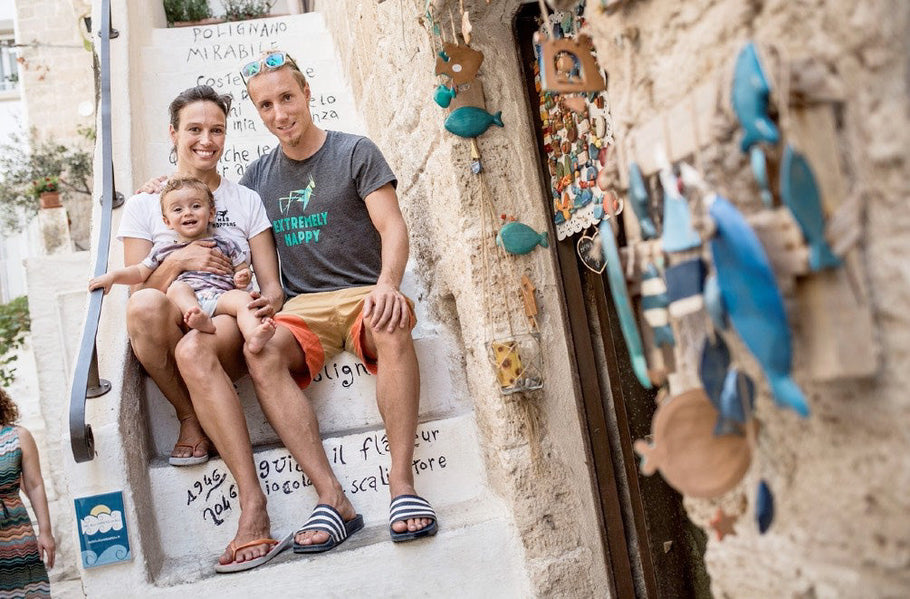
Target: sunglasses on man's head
(272,61)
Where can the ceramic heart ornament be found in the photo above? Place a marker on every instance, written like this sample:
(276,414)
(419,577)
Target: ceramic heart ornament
(590,252)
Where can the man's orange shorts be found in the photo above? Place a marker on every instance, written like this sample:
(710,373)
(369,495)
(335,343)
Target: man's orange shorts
(328,323)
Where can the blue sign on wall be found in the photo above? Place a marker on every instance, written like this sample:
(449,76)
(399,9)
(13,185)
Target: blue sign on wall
(103,537)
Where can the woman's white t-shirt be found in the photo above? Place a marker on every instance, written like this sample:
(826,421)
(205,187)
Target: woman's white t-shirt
(239,216)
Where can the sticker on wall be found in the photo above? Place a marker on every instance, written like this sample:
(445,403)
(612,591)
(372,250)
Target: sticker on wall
(103,537)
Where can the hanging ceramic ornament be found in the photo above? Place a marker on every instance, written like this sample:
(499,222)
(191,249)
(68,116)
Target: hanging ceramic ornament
(470,121)
(654,302)
(736,403)
(690,458)
(753,301)
(466,28)
(722,523)
(623,306)
(529,300)
(590,252)
(760,171)
(750,99)
(444,95)
(714,303)
(799,192)
(764,507)
(461,63)
(638,193)
(518,238)
(713,368)
(516,361)
(678,234)
(570,66)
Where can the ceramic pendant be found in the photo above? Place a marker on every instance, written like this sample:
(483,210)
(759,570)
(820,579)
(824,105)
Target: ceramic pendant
(590,252)
(461,63)
(753,301)
(678,234)
(470,121)
(750,99)
(685,282)
(583,75)
(764,507)
(519,238)
(799,191)
(685,451)
(443,95)
(654,304)
(620,295)
(638,193)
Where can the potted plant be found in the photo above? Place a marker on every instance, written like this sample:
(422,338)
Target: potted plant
(240,10)
(187,12)
(47,190)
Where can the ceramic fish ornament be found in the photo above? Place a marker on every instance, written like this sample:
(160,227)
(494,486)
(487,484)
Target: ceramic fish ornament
(764,507)
(623,306)
(519,238)
(750,99)
(678,234)
(470,121)
(444,95)
(639,195)
(799,191)
(753,301)
(654,304)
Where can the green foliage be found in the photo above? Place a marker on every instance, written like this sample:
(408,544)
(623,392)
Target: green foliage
(15,324)
(25,161)
(239,10)
(186,10)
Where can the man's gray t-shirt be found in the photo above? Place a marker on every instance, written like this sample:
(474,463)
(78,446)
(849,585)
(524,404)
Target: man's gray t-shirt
(323,232)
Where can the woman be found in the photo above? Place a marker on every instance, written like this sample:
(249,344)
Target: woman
(198,122)
(22,571)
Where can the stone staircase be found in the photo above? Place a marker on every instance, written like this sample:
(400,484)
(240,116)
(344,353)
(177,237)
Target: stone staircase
(180,519)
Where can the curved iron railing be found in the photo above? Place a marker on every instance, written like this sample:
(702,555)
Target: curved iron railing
(86,382)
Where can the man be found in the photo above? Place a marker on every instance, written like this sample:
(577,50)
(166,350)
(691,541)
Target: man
(343,246)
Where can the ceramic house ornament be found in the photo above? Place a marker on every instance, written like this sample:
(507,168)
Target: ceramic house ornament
(569,66)
(461,63)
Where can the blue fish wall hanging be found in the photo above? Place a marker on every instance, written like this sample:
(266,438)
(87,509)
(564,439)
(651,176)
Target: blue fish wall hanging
(470,121)
(518,238)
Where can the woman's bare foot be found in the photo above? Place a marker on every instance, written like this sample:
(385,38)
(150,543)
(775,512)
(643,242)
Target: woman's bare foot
(254,524)
(195,318)
(191,441)
(261,336)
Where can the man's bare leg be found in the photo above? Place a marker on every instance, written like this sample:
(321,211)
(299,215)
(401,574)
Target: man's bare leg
(154,326)
(398,397)
(200,357)
(291,415)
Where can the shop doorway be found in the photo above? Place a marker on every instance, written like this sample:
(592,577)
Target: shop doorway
(652,549)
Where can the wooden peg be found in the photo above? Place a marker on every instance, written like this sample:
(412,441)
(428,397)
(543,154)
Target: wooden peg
(529,300)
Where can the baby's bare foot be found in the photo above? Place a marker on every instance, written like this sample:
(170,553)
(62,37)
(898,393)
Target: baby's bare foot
(195,318)
(261,335)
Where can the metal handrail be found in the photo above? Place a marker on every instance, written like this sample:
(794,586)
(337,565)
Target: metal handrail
(86,382)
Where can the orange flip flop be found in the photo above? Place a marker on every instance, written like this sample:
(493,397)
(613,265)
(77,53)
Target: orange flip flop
(277,547)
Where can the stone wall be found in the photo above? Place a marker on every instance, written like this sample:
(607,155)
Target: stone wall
(58,85)
(535,451)
(840,478)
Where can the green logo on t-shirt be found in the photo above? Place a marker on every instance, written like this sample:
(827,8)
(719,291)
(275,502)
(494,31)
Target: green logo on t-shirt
(298,229)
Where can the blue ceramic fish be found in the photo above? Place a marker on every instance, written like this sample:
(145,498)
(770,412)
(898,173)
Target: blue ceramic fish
(753,301)
(519,238)
(764,507)
(737,401)
(750,99)
(678,234)
(639,195)
(799,191)
(654,304)
(470,121)
(444,95)
(620,294)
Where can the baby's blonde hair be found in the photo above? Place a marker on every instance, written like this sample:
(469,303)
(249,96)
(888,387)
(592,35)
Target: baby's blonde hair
(190,182)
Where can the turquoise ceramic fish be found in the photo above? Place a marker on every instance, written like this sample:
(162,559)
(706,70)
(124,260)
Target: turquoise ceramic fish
(443,95)
(639,195)
(799,191)
(519,238)
(470,121)
(753,301)
(750,99)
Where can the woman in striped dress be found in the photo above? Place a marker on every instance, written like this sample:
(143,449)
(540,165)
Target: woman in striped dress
(22,571)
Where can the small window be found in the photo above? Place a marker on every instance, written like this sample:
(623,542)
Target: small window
(9,68)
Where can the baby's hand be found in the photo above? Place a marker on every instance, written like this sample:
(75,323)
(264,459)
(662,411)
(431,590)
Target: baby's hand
(103,282)
(242,278)
(153,185)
